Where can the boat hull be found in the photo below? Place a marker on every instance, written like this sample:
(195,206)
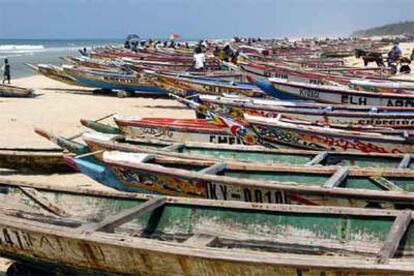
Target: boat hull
(199,131)
(348,97)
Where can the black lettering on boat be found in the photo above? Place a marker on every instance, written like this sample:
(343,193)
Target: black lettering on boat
(309,93)
(212,191)
(258,196)
(268,196)
(247,195)
(223,140)
(280,76)
(213,138)
(6,237)
(280,197)
(19,241)
(400,102)
(315,81)
(223,189)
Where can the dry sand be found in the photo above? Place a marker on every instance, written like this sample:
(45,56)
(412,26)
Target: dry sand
(60,111)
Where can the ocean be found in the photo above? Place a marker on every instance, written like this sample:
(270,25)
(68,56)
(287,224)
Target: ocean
(21,51)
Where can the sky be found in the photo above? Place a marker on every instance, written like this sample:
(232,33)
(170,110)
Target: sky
(67,19)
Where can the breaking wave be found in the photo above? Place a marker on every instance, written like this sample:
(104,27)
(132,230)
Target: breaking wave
(20,49)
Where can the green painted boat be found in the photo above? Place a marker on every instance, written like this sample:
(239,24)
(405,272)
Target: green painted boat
(96,141)
(158,170)
(93,231)
(251,182)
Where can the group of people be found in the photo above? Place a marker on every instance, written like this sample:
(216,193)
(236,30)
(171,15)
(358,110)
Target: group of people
(224,54)
(227,54)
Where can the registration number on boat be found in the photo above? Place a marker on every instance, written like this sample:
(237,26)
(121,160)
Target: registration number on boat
(248,194)
(308,93)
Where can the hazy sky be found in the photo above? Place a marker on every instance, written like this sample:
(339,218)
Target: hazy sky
(195,18)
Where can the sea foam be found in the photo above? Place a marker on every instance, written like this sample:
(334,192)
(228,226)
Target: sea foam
(11,48)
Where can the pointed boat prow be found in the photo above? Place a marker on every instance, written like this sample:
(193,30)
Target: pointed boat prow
(46,134)
(31,66)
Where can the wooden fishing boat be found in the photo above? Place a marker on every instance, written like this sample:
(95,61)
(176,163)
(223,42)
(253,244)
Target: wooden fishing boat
(311,76)
(92,63)
(98,142)
(169,65)
(53,72)
(291,74)
(110,80)
(339,95)
(191,130)
(183,85)
(14,91)
(250,182)
(319,114)
(33,160)
(88,231)
(273,131)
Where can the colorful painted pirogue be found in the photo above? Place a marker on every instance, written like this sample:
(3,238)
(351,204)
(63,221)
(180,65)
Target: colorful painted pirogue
(275,132)
(13,91)
(158,170)
(89,231)
(251,182)
(191,130)
(320,114)
(307,76)
(183,85)
(97,142)
(111,80)
(53,72)
(338,94)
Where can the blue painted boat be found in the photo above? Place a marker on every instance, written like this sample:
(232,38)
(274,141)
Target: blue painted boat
(101,173)
(111,80)
(270,90)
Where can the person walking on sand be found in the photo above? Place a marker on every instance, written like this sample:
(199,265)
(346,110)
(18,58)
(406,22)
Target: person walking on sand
(6,71)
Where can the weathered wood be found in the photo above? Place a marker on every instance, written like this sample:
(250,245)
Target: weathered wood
(405,162)
(110,223)
(198,240)
(318,158)
(174,147)
(336,179)
(113,248)
(212,203)
(397,231)
(44,202)
(287,168)
(386,184)
(216,168)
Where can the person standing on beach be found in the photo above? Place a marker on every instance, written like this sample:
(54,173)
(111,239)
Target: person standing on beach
(199,59)
(6,71)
